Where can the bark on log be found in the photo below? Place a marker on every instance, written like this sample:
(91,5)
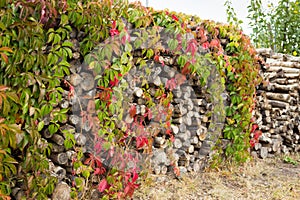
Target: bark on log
(279,96)
(58,139)
(57,148)
(60,158)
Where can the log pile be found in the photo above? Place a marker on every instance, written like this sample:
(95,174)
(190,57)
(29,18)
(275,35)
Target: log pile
(191,108)
(277,112)
(189,122)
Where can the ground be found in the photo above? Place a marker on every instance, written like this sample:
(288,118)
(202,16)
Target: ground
(269,179)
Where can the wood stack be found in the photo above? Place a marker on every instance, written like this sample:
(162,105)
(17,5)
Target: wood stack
(277,112)
(190,107)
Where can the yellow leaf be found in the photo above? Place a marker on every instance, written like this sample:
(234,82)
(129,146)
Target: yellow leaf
(295,53)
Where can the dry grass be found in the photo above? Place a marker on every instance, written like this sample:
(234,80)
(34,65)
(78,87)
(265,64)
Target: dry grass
(268,179)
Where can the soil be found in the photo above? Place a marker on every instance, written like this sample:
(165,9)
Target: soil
(269,179)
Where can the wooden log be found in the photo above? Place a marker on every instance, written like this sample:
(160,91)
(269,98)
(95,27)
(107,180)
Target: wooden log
(80,139)
(163,170)
(157,169)
(184,136)
(201,132)
(284,69)
(279,96)
(61,172)
(46,133)
(286,64)
(278,104)
(196,167)
(68,128)
(71,154)
(64,104)
(274,75)
(285,81)
(177,93)
(283,88)
(180,110)
(264,152)
(58,139)
(187,120)
(88,82)
(194,140)
(178,120)
(159,141)
(177,143)
(175,129)
(138,92)
(204,118)
(60,158)
(191,149)
(196,121)
(57,148)
(74,119)
(182,127)
(188,103)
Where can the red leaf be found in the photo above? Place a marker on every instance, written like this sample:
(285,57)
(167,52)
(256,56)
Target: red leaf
(175,17)
(135,177)
(215,43)
(254,127)
(185,70)
(171,84)
(192,46)
(252,142)
(205,45)
(257,134)
(141,141)
(114,82)
(132,111)
(114,24)
(168,131)
(156,58)
(102,185)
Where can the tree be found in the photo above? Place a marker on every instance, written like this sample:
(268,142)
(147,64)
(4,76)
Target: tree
(274,26)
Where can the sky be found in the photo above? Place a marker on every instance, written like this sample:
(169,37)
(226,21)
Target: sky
(205,9)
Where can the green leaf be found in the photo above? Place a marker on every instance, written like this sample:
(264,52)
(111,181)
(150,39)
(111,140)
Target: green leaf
(13,96)
(41,125)
(67,44)
(64,19)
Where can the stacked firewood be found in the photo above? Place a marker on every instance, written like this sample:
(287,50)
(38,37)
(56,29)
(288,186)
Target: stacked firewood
(189,121)
(277,113)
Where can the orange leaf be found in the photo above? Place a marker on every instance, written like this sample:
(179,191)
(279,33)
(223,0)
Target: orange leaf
(6,49)
(4,57)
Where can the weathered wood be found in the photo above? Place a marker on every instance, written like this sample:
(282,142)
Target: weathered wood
(87,82)
(46,133)
(279,96)
(177,143)
(60,172)
(57,148)
(74,119)
(138,92)
(175,129)
(80,139)
(62,192)
(60,158)
(278,104)
(58,139)
(201,132)
(159,141)
(284,69)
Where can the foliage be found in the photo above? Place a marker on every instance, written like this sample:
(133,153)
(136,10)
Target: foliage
(276,25)
(36,52)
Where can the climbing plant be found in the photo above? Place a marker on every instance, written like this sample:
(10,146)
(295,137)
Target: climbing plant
(36,53)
